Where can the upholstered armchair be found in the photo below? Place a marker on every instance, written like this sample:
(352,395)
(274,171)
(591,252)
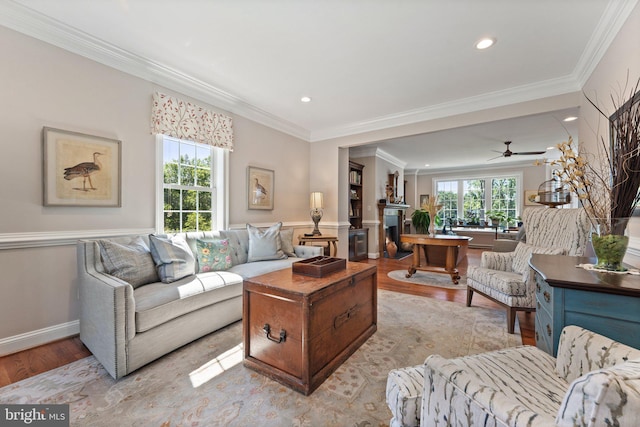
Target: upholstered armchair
(507,279)
(593,382)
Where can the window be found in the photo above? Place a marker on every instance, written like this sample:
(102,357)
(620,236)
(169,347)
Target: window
(190,181)
(477,196)
(447,192)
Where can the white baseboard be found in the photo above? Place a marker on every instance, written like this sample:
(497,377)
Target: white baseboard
(32,339)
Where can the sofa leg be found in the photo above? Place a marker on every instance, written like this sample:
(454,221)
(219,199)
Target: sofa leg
(511,319)
(469,296)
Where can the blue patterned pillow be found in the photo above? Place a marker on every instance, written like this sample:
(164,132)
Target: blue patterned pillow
(173,257)
(213,255)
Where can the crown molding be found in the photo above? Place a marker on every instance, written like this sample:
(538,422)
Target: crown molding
(27,21)
(365,151)
(524,93)
(612,20)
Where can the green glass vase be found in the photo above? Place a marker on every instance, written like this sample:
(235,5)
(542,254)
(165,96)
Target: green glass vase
(610,249)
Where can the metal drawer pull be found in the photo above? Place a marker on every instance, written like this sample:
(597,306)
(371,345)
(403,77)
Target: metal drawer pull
(267,330)
(538,287)
(537,337)
(548,330)
(547,296)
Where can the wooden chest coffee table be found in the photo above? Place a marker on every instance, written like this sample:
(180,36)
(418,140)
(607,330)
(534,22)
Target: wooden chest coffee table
(298,329)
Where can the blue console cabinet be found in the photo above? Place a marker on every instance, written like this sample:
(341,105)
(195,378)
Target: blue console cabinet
(606,303)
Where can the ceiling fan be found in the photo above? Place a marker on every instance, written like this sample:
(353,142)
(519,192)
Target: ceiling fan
(509,153)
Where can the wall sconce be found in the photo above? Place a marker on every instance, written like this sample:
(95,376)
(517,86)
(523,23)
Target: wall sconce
(317,204)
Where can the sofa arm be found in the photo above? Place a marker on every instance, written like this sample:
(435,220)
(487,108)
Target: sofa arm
(304,251)
(497,260)
(107,311)
(454,396)
(581,351)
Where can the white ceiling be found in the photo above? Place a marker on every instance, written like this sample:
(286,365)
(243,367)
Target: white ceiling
(367,65)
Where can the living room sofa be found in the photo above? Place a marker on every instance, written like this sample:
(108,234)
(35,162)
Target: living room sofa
(144,296)
(594,381)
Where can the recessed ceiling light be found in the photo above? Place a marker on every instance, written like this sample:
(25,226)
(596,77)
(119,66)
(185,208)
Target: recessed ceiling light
(485,43)
(427,165)
(570,119)
(551,148)
(305,99)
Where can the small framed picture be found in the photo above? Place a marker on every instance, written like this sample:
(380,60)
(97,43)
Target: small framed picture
(530,197)
(260,188)
(424,199)
(80,169)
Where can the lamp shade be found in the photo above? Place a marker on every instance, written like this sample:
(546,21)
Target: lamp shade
(317,200)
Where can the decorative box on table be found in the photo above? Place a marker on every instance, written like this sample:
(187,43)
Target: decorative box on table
(319,266)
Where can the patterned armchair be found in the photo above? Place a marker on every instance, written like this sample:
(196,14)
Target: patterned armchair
(507,279)
(595,381)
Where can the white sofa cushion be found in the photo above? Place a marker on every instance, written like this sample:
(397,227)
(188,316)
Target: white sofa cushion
(158,303)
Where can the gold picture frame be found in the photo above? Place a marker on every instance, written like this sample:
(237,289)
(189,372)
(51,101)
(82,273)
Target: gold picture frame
(80,169)
(260,188)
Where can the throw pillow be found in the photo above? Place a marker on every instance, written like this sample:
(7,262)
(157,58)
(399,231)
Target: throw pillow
(130,262)
(264,245)
(213,255)
(523,252)
(173,257)
(286,241)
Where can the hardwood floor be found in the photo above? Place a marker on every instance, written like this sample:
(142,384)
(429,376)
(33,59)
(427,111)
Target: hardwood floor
(24,364)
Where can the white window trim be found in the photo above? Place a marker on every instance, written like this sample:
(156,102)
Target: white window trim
(221,192)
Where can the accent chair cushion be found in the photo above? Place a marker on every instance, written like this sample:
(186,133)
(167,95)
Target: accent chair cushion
(213,255)
(603,397)
(173,257)
(264,245)
(130,262)
(523,252)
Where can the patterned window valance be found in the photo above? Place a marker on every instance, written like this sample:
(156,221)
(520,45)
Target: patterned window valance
(180,119)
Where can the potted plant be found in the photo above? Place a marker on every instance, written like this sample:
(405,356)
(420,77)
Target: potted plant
(421,220)
(497,217)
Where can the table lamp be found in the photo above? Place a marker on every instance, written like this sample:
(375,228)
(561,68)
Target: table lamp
(317,203)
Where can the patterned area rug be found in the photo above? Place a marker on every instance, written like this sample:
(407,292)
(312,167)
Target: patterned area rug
(430,279)
(205,383)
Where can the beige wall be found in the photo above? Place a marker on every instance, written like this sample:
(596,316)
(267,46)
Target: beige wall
(47,86)
(621,64)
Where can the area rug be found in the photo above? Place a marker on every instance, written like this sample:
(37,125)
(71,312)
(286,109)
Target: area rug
(205,384)
(430,279)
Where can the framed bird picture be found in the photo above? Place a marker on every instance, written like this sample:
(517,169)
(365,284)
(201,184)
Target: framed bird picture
(260,188)
(80,169)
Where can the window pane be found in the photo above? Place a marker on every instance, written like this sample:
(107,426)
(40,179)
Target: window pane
(170,173)
(203,177)
(189,221)
(171,222)
(189,200)
(171,200)
(187,175)
(170,151)
(204,221)
(204,201)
